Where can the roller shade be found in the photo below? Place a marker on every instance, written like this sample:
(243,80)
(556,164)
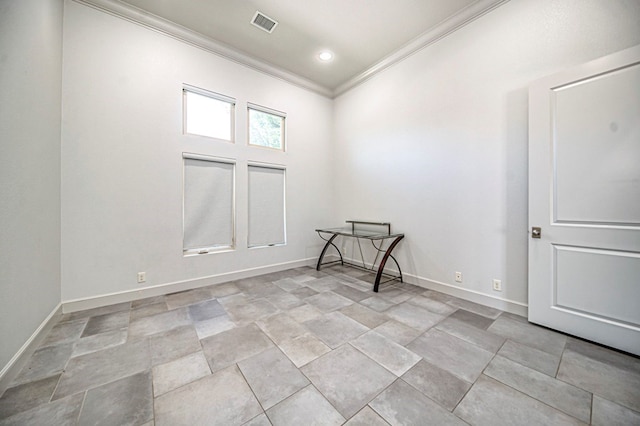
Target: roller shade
(266,206)
(208,204)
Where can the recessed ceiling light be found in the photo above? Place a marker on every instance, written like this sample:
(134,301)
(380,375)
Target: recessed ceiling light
(325,56)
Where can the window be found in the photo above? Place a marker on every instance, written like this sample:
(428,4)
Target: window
(208,114)
(208,209)
(266,127)
(266,205)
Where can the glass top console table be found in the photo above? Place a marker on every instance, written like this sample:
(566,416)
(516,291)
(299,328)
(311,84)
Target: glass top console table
(376,232)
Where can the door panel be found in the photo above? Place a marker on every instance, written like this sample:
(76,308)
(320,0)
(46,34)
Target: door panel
(584,192)
(577,269)
(596,149)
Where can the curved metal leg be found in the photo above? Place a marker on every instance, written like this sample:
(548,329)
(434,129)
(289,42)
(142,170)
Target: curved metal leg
(379,250)
(398,265)
(324,250)
(386,256)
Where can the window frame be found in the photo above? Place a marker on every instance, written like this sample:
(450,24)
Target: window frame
(270,111)
(213,95)
(282,168)
(187,252)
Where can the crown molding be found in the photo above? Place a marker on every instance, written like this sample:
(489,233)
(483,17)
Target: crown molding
(178,32)
(446,27)
(171,29)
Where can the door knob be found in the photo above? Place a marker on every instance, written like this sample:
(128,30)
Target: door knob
(536,232)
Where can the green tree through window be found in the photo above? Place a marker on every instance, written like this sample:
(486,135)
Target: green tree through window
(266,129)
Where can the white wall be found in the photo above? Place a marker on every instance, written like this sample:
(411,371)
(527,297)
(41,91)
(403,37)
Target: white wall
(30,83)
(437,144)
(122,164)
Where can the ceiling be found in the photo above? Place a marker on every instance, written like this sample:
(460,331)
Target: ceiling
(364,35)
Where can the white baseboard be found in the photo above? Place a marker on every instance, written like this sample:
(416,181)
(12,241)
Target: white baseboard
(506,305)
(15,364)
(158,290)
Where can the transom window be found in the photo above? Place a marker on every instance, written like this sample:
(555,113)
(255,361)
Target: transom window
(266,127)
(208,114)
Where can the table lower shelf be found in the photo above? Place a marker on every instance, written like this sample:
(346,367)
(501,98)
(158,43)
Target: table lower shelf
(389,277)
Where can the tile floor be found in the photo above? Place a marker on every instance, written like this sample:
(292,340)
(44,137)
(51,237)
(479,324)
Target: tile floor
(302,347)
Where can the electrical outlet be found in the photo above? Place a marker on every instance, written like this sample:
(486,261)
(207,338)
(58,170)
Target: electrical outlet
(142,277)
(497,285)
(458,277)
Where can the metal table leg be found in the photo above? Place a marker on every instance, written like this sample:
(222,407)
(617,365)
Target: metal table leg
(324,250)
(386,256)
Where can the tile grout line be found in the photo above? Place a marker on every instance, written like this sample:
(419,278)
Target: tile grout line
(299,369)
(84,398)
(252,391)
(536,399)
(476,380)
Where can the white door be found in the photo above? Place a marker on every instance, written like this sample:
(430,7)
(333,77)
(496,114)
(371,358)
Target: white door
(584,194)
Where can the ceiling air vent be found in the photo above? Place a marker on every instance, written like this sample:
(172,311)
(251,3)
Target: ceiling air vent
(263,22)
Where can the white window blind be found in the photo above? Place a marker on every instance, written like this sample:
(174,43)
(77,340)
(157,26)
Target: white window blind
(266,206)
(208,204)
